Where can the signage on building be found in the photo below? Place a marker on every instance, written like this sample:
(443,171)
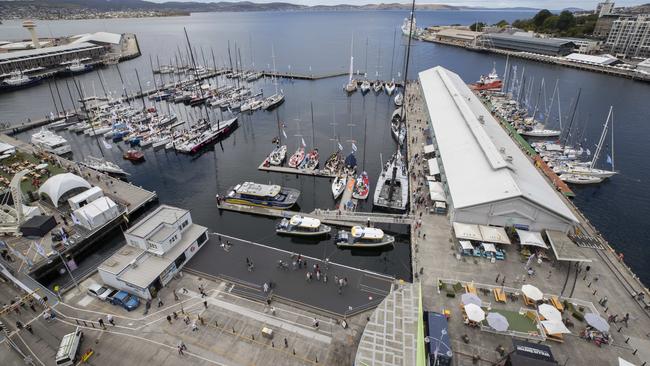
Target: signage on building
(167,274)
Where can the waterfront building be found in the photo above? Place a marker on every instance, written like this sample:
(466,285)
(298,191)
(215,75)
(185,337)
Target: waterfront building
(644,66)
(604,25)
(583,45)
(456,36)
(605,8)
(600,60)
(520,43)
(487,179)
(157,247)
(630,37)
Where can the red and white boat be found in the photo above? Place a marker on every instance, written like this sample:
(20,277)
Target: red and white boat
(311,161)
(297,158)
(134,155)
(490,81)
(362,187)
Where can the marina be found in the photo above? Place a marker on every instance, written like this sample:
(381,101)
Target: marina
(435,187)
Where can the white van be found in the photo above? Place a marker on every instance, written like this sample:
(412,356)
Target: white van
(69,348)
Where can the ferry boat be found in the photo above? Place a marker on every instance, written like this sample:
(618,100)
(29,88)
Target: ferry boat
(51,142)
(18,80)
(363,237)
(391,192)
(262,195)
(302,226)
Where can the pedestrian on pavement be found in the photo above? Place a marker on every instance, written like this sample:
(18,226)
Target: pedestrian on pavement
(315,323)
(175,296)
(185,291)
(248,261)
(109,318)
(174,315)
(345,281)
(272,310)
(101,322)
(327,263)
(160,302)
(194,326)
(626,318)
(317,275)
(31,306)
(497,280)
(265,287)
(286,343)
(308,276)
(187,320)
(205,304)
(424,236)
(201,319)
(29,328)
(169,319)
(325,278)
(19,325)
(180,351)
(503,280)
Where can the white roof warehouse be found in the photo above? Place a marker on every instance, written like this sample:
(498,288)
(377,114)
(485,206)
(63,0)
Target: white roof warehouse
(488,178)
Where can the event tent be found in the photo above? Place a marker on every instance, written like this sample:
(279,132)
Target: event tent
(467,231)
(434,168)
(437,192)
(494,234)
(60,184)
(531,238)
(96,213)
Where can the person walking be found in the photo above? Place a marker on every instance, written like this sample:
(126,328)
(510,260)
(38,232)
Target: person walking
(180,351)
(169,319)
(315,323)
(160,302)
(109,318)
(324,277)
(194,326)
(101,322)
(626,318)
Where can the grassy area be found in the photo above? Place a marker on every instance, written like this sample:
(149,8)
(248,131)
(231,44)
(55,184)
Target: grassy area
(21,157)
(518,322)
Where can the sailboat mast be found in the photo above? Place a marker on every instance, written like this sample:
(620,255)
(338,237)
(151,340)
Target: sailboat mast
(548,110)
(612,112)
(313,134)
(505,74)
(275,80)
(573,114)
(392,58)
(603,134)
(351,58)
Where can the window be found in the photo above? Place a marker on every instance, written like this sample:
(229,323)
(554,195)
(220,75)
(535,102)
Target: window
(202,239)
(184,224)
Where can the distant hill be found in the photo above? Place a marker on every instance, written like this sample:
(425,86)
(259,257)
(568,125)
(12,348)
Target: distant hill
(225,6)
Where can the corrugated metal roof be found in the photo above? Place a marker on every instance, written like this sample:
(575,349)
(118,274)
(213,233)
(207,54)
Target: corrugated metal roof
(102,37)
(532,40)
(480,167)
(45,51)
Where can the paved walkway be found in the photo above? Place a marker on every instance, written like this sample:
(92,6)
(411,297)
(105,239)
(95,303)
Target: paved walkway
(364,289)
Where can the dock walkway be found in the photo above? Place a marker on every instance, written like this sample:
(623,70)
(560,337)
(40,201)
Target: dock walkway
(332,217)
(288,170)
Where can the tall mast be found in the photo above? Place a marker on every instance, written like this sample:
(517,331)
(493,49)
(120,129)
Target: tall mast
(573,114)
(603,135)
(275,80)
(613,168)
(548,110)
(351,58)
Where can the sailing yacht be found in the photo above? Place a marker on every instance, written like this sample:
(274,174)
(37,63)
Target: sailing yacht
(390,87)
(297,157)
(399,99)
(362,187)
(277,98)
(104,166)
(409,29)
(278,155)
(391,191)
(338,185)
(365,87)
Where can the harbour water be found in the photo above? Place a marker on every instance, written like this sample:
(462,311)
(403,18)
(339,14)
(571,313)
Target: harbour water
(320,43)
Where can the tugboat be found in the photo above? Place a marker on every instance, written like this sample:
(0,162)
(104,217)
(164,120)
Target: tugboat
(262,195)
(363,237)
(18,80)
(488,82)
(302,226)
(134,155)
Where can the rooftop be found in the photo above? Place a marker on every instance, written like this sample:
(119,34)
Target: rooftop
(533,40)
(153,222)
(46,51)
(475,148)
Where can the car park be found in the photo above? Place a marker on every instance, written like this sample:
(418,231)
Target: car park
(99,291)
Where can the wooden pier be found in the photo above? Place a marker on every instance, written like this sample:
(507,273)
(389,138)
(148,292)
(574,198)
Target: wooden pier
(288,170)
(15,128)
(332,217)
(347,197)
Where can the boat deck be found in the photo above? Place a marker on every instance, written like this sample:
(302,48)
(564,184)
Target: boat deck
(288,170)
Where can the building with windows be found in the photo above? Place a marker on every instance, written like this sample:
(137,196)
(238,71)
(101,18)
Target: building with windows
(157,247)
(487,179)
(629,37)
(583,45)
(521,43)
(604,25)
(605,8)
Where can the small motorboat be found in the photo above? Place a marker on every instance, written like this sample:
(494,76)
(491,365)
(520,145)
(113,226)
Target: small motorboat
(399,99)
(302,226)
(297,158)
(363,237)
(134,155)
(362,187)
(338,185)
(278,155)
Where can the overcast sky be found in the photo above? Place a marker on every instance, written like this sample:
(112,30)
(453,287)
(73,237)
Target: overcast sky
(550,4)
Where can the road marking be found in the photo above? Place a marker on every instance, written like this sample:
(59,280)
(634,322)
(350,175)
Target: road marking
(85,301)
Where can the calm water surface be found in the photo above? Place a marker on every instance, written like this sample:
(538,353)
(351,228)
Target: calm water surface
(320,43)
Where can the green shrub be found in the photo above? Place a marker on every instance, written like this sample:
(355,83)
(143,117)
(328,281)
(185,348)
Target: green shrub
(578,315)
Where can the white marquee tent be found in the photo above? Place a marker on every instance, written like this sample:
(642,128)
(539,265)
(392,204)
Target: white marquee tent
(437,192)
(531,238)
(96,213)
(467,231)
(60,184)
(494,234)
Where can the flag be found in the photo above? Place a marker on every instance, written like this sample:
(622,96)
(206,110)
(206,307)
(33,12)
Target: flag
(354,147)
(107,145)
(303,142)
(284,134)
(340,146)
(609,160)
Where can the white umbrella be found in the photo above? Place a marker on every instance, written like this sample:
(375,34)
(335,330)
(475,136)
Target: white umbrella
(474,313)
(498,322)
(553,327)
(550,313)
(597,322)
(532,292)
(468,298)
(622,362)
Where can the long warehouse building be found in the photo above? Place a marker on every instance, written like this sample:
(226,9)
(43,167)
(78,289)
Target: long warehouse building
(487,178)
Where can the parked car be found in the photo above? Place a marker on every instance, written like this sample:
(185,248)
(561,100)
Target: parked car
(126,300)
(99,291)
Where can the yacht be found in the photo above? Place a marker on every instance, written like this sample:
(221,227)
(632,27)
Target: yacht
(338,185)
(409,29)
(302,226)
(17,80)
(391,191)
(377,86)
(297,158)
(390,87)
(103,166)
(362,187)
(351,86)
(399,99)
(365,86)
(212,134)
(51,142)
(311,160)
(363,237)
(262,195)
(273,101)
(580,179)
(278,155)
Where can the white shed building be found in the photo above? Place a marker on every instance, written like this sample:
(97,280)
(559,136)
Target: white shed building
(488,179)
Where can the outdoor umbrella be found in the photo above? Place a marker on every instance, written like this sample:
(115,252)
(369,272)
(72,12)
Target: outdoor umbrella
(498,322)
(468,298)
(474,313)
(597,322)
(550,313)
(555,327)
(532,292)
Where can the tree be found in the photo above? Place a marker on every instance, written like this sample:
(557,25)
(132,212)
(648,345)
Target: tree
(550,24)
(540,17)
(502,24)
(565,21)
(477,27)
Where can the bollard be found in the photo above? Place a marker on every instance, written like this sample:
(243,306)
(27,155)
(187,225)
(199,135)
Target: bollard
(595,292)
(233,330)
(216,324)
(627,340)
(635,351)
(589,285)
(272,344)
(253,336)
(294,351)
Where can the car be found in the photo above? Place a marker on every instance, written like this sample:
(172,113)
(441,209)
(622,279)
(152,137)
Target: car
(99,291)
(125,300)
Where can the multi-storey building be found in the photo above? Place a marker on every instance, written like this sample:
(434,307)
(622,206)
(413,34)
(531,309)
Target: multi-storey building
(630,37)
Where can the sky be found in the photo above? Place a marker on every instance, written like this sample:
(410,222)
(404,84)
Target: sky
(549,4)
